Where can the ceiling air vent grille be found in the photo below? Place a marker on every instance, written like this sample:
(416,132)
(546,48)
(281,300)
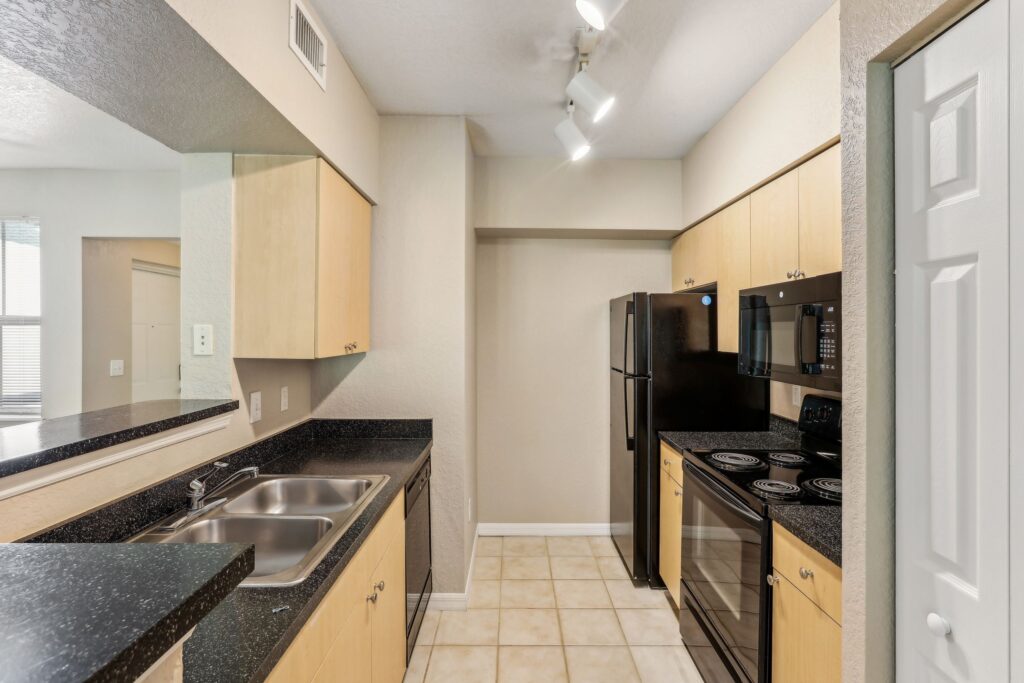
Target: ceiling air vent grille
(307,42)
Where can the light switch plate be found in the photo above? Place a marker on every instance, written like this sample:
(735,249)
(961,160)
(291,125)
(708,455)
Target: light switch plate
(202,340)
(255,407)
(116,368)
(284,399)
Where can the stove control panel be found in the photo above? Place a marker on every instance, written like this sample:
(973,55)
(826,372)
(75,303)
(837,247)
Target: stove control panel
(822,416)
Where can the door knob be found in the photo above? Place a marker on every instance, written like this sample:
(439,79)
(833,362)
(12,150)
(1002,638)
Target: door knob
(938,626)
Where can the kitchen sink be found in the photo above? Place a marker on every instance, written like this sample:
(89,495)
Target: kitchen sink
(293,521)
(299,496)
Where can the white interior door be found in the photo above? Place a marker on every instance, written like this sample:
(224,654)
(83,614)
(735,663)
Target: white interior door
(156,335)
(952,353)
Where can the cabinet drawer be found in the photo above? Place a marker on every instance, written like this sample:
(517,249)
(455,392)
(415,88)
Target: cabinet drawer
(812,574)
(672,462)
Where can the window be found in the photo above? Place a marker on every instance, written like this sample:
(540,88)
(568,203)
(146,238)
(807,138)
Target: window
(20,385)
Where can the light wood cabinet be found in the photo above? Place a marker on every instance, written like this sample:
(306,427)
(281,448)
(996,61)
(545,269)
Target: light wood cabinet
(670,533)
(302,260)
(796,223)
(733,263)
(694,256)
(806,642)
(774,231)
(806,612)
(353,637)
(820,214)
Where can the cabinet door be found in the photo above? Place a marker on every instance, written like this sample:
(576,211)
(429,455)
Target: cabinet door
(821,231)
(343,267)
(681,262)
(275,255)
(349,659)
(774,231)
(670,534)
(806,643)
(388,646)
(733,260)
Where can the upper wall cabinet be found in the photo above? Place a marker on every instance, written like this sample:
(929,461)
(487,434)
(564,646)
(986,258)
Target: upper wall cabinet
(302,260)
(821,214)
(795,223)
(733,263)
(693,256)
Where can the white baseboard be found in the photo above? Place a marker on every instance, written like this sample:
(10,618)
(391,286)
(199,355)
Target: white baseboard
(449,602)
(514,529)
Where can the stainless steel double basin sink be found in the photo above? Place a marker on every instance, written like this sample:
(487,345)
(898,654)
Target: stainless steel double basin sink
(293,521)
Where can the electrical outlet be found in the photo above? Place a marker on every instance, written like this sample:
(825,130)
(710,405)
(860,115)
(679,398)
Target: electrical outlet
(796,395)
(116,368)
(255,407)
(202,340)
(284,399)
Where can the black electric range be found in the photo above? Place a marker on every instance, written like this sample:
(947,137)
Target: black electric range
(726,544)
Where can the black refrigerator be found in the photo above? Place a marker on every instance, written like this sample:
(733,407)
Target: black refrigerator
(666,375)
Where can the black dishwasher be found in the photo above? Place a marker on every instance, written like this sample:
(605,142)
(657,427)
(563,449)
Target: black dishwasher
(418,582)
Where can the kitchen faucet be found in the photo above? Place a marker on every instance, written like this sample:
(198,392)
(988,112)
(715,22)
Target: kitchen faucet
(198,496)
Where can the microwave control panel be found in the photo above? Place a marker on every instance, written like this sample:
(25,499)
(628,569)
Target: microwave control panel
(828,339)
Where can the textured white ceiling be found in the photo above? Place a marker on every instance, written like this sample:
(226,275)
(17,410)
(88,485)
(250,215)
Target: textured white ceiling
(676,66)
(42,126)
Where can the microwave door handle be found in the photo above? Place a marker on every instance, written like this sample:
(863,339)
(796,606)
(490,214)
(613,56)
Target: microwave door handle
(725,496)
(807,325)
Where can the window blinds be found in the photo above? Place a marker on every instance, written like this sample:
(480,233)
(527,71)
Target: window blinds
(20,385)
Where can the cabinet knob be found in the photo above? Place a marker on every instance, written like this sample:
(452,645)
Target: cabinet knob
(379,586)
(665,462)
(806,573)
(371,598)
(938,626)
(790,275)
(679,492)
(771,579)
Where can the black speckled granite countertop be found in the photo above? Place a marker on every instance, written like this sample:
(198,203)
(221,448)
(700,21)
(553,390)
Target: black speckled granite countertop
(244,637)
(819,526)
(100,612)
(34,444)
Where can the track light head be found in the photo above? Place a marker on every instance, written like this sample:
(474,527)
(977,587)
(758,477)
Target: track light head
(572,138)
(599,13)
(588,93)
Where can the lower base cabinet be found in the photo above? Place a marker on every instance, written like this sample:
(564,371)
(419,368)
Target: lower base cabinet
(806,609)
(357,633)
(670,533)
(806,643)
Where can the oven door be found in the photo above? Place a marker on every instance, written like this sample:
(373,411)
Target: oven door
(725,555)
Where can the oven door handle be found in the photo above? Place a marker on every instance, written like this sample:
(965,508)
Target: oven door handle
(728,497)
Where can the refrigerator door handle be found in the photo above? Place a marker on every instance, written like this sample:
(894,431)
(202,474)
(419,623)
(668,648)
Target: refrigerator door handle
(630,440)
(625,342)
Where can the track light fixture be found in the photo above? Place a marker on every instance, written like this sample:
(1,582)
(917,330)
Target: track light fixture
(571,137)
(588,93)
(599,13)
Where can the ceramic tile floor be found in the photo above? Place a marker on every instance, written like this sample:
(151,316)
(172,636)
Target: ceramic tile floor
(550,610)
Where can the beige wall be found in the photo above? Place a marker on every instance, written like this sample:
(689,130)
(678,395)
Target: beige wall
(626,198)
(107,313)
(253,38)
(874,33)
(791,112)
(419,365)
(542,363)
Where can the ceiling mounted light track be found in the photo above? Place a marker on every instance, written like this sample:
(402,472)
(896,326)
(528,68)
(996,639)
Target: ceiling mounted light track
(572,138)
(588,93)
(599,13)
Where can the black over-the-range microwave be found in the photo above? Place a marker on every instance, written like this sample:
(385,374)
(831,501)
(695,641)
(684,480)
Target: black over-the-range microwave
(791,332)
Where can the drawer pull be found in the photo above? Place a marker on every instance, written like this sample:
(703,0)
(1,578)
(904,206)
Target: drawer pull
(806,573)
(371,598)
